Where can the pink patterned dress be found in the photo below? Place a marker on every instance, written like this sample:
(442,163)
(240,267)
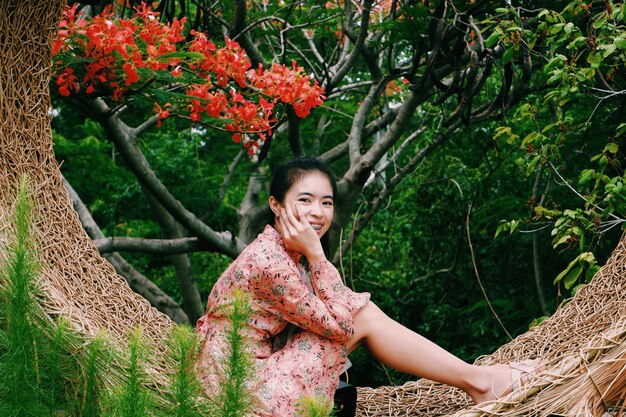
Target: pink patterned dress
(311,361)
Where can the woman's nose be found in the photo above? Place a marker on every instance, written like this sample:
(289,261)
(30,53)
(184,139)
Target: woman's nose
(316,209)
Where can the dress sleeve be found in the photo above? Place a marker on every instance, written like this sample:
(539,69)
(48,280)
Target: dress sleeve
(329,314)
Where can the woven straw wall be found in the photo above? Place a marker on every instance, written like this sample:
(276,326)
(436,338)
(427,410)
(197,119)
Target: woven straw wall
(583,345)
(77,282)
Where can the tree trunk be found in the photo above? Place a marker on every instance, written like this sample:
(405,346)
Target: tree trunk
(192,304)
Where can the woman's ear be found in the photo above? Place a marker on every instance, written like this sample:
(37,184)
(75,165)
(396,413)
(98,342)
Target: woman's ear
(274,205)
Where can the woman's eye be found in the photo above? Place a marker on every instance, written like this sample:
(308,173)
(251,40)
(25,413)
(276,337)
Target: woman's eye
(328,203)
(304,200)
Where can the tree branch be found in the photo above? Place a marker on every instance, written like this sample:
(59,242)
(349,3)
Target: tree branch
(536,252)
(356,130)
(346,65)
(391,184)
(122,137)
(154,246)
(239,26)
(192,302)
(138,282)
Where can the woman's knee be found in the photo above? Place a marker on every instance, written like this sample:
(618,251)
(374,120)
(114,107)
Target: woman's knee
(364,322)
(369,314)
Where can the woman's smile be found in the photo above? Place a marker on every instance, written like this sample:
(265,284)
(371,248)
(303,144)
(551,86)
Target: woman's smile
(313,196)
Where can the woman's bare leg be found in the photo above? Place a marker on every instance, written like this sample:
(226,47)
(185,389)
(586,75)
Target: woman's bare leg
(403,349)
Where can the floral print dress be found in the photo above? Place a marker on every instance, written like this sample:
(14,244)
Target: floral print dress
(312,359)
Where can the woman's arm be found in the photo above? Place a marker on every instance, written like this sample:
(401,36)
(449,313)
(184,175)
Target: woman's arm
(281,291)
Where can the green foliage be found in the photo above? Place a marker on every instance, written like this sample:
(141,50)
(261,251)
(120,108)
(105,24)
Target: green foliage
(133,398)
(580,271)
(186,391)
(190,162)
(414,258)
(23,380)
(314,407)
(47,369)
(97,357)
(234,399)
(555,132)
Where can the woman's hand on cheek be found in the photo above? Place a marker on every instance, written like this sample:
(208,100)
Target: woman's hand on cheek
(299,235)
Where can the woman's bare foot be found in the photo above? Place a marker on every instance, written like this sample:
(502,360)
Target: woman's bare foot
(498,381)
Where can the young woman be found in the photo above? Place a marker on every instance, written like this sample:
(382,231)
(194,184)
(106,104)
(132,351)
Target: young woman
(305,321)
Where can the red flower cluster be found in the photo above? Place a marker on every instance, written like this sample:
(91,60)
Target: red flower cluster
(226,63)
(112,52)
(289,85)
(117,57)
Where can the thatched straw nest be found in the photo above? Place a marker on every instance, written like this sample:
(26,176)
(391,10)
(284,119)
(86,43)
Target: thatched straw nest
(583,345)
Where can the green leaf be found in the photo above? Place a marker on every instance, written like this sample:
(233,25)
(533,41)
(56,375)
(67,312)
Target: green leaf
(579,41)
(609,49)
(603,160)
(591,272)
(560,221)
(560,241)
(492,40)
(530,138)
(611,147)
(572,276)
(570,213)
(508,55)
(574,270)
(599,23)
(594,59)
(532,164)
(557,60)
(500,228)
(585,176)
(556,28)
(568,27)
(588,72)
(566,271)
(577,231)
(537,321)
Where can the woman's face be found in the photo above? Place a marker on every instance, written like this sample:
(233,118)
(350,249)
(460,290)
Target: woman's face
(313,197)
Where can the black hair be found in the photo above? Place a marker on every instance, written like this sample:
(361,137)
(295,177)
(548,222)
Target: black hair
(290,172)
(285,176)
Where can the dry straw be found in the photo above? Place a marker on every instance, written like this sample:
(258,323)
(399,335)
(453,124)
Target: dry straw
(583,345)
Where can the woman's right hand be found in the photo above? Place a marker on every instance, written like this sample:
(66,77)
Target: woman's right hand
(298,234)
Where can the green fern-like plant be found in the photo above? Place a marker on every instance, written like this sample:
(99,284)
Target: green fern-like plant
(49,369)
(22,389)
(314,406)
(95,359)
(61,366)
(133,398)
(235,397)
(186,393)
(41,362)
